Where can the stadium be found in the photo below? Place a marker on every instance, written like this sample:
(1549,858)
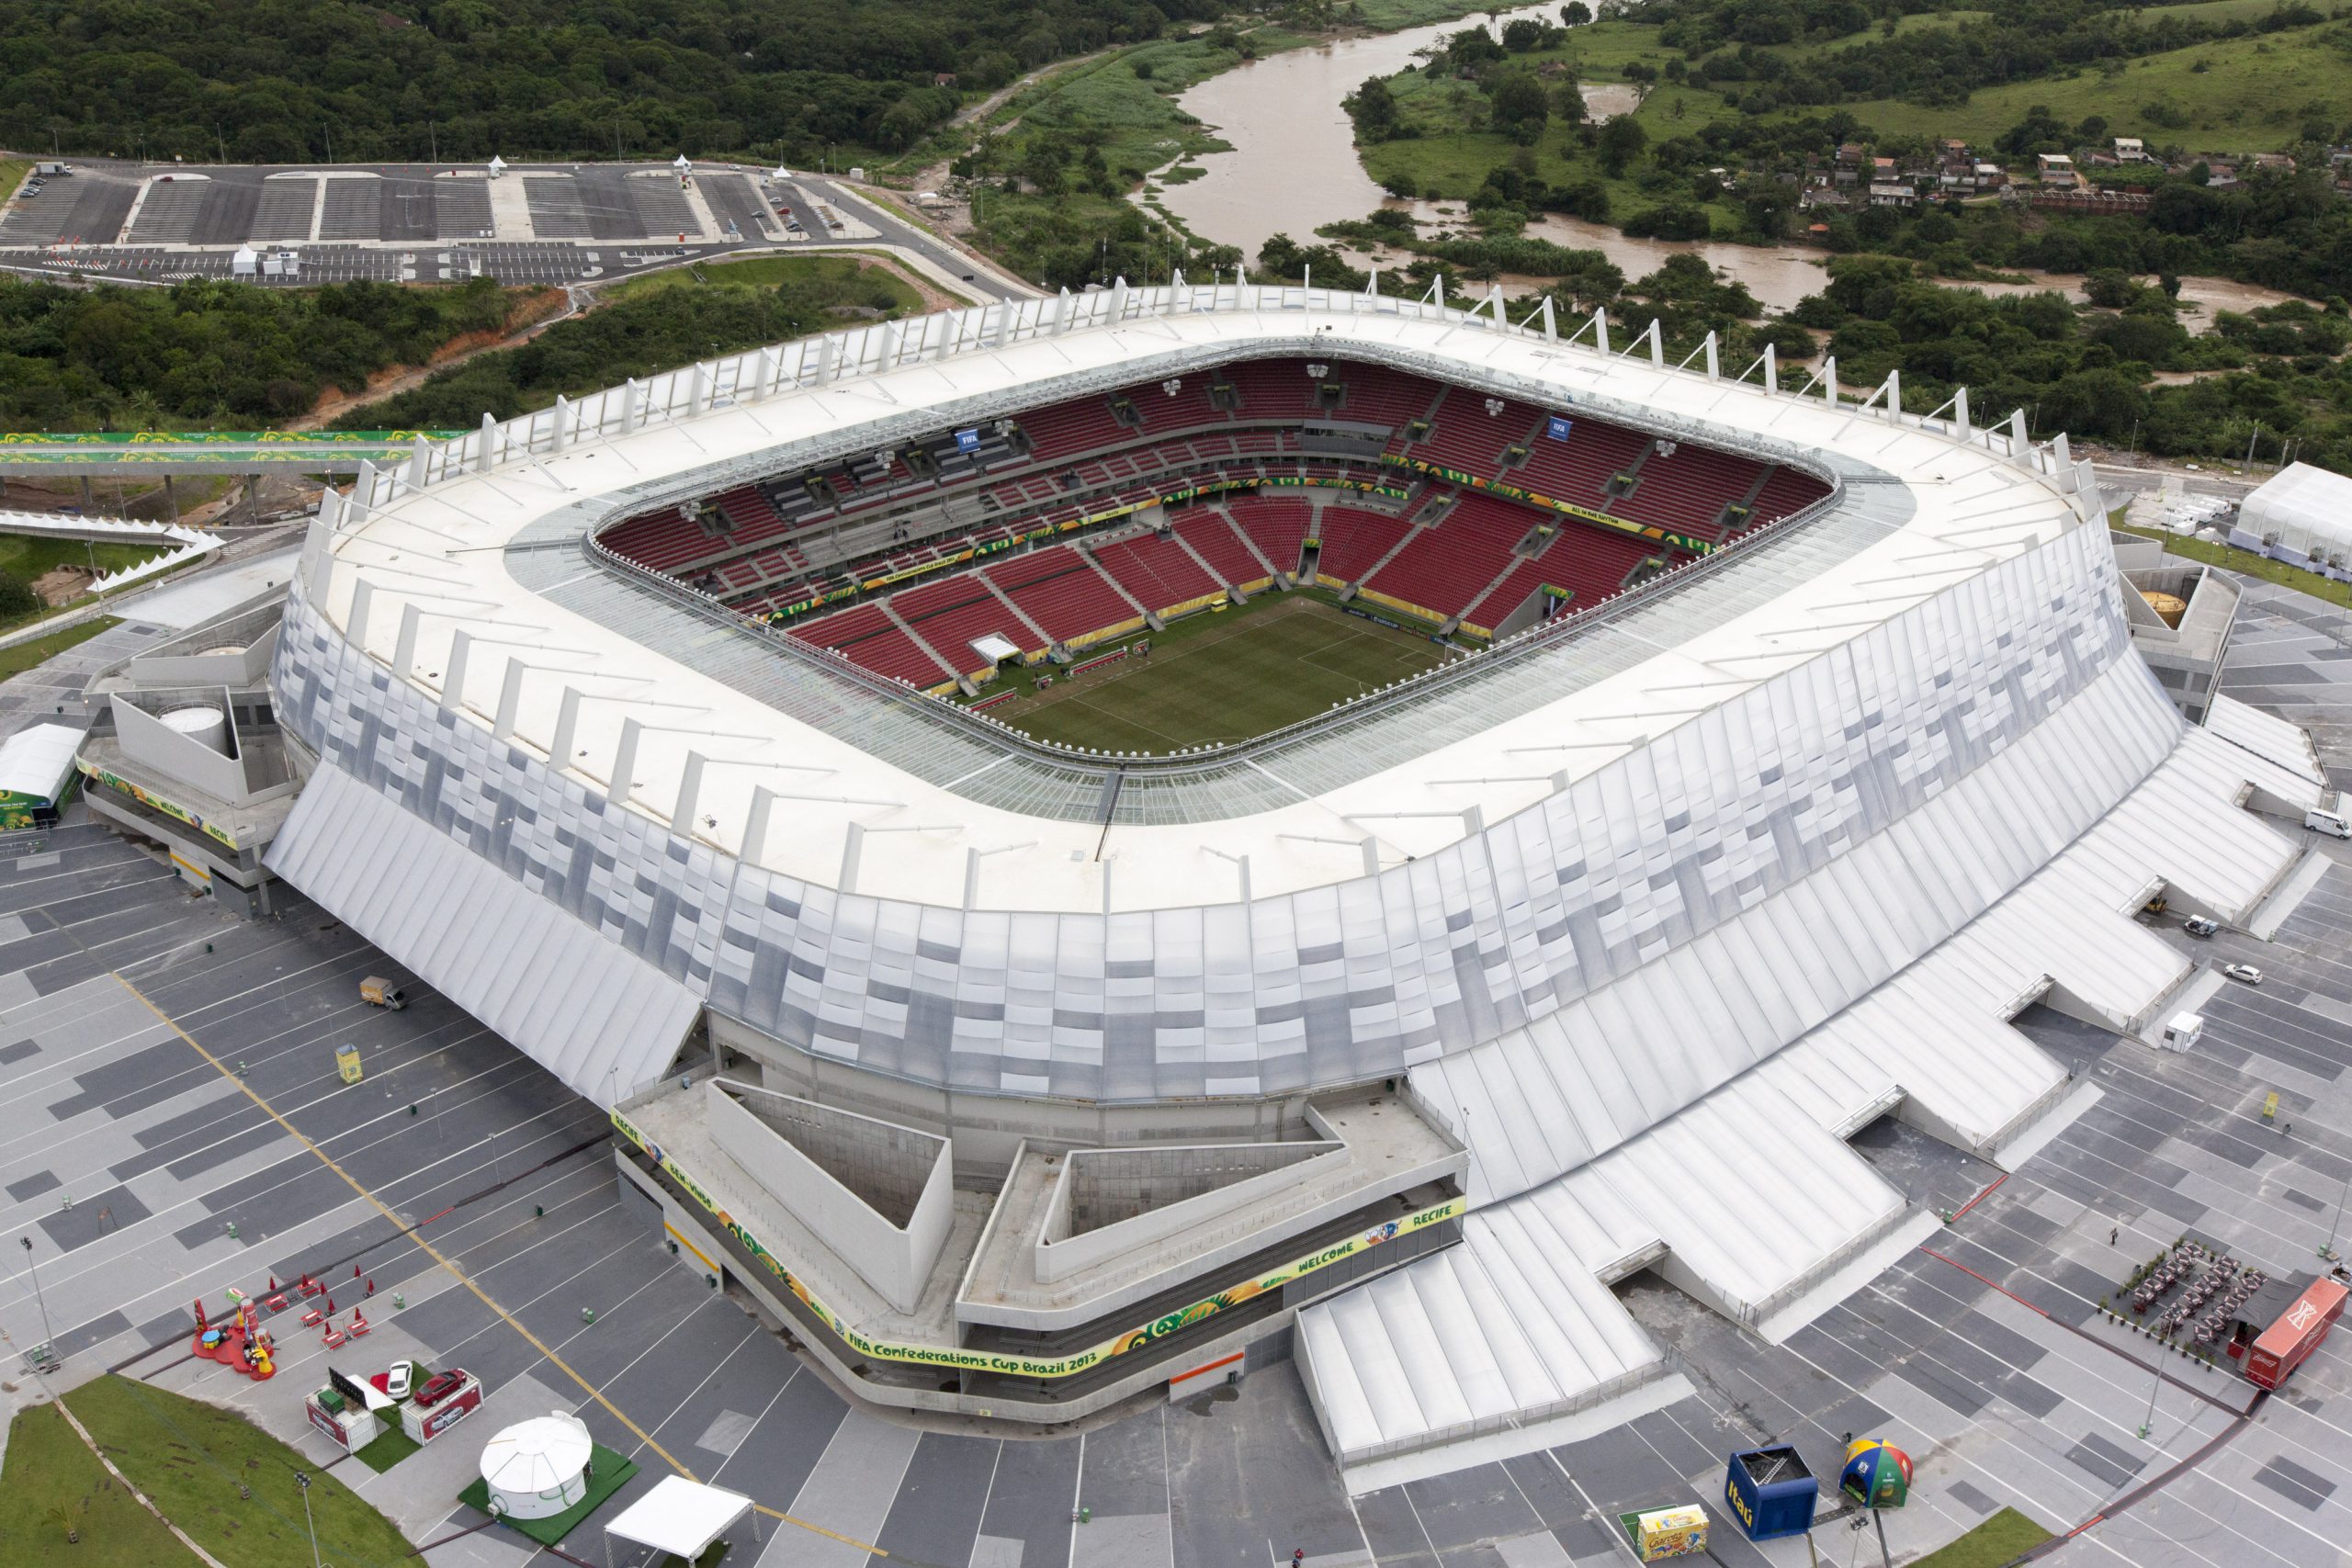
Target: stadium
(1089,843)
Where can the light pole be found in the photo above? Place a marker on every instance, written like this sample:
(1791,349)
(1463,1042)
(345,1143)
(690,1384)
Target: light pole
(48,1337)
(2149,1425)
(2328,1253)
(303,1479)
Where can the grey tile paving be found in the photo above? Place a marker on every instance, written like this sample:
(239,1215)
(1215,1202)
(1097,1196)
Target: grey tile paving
(2305,1488)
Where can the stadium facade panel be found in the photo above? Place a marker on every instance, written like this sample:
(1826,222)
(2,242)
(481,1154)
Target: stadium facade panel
(1700,883)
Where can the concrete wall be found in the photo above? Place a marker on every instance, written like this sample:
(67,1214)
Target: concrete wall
(1108,1204)
(987,1129)
(880,1196)
(147,740)
(248,666)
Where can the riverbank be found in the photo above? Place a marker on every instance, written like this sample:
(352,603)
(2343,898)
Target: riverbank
(1059,178)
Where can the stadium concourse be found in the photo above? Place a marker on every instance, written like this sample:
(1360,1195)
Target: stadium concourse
(1018,1079)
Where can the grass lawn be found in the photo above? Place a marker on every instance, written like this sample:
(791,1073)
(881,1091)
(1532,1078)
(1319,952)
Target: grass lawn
(191,1457)
(766,272)
(1221,677)
(1997,1540)
(20,656)
(12,174)
(2251,96)
(30,555)
(2252,565)
(49,1469)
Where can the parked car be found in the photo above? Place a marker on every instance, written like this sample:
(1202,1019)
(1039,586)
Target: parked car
(2200,926)
(397,1381)
(439,1386)
(2243,974)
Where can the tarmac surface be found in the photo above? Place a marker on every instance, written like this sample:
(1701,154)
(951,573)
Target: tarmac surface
(172,1072)
(537,223)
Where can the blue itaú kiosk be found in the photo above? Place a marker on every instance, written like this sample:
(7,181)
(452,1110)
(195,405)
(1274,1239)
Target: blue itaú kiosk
(1770,1491)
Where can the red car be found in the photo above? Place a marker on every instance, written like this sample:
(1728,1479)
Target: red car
(440,1386)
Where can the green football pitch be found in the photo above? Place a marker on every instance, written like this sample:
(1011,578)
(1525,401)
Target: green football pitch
(1222,677)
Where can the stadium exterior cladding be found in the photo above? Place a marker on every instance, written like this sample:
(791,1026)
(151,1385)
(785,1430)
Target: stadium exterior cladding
(1618,905)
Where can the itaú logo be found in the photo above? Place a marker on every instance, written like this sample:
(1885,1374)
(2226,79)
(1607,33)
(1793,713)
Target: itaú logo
(1739,1504)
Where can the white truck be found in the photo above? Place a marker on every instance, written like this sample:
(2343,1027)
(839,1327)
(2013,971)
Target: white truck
(47,170)
(2333,819)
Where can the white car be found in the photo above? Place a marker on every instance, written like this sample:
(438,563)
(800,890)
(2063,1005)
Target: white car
(2245,974)
(396,1380)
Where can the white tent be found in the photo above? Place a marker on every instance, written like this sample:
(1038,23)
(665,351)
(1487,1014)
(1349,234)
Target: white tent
(245,262)
(497,167)
(2304,512)
(680,1517)
(538,1468)
(36,762)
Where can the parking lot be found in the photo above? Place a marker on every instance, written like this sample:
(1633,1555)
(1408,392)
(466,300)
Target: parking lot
(554,224)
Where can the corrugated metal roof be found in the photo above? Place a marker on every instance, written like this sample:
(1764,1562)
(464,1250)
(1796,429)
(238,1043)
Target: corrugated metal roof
(603,1020)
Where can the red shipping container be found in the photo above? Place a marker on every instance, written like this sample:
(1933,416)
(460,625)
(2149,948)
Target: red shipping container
(2296,1334)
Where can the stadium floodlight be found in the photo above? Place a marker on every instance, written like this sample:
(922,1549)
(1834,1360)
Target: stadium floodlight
(1666,449)
(1495,407)
(1318,370)
(1173,385)
(690,510)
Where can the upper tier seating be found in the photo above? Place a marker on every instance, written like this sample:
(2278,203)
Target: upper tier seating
(1063,430)
(1689,490)
(1787,490)
(1579,468)
(1469,438)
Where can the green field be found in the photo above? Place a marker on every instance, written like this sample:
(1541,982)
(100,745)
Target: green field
(1222,677)
(191,1458)
(887,288)
(18,657)
(2252,95)
(54,1483)
(1997,1540)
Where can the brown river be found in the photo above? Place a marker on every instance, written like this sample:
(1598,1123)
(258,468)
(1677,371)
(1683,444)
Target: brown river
(1294,167)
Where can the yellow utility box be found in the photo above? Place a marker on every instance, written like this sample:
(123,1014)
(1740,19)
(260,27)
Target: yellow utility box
(346,1062)
(1657,1534)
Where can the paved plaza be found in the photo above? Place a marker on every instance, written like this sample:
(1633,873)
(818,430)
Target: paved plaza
(172,1073)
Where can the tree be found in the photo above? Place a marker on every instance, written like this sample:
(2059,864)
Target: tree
(16,597)
(1374,109)
(1520,107)
(1574,14)
(1622,140)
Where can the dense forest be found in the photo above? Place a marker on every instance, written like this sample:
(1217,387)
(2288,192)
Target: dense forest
(658,325)
(2006,41)
(211,353)
(292,81)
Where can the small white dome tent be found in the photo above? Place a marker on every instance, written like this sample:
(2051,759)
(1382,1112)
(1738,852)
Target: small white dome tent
(538,1468)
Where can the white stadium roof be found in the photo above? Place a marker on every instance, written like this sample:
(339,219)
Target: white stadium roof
(1662,912)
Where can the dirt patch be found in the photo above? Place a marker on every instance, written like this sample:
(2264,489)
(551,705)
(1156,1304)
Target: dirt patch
(62,585)
(531,314)
(933,297)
